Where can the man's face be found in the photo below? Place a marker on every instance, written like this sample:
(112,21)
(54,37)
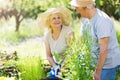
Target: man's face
(81,11)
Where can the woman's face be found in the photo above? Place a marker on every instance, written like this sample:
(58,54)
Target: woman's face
(55,20)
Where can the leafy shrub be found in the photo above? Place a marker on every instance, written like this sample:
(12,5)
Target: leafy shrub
(31,68)
(79,61)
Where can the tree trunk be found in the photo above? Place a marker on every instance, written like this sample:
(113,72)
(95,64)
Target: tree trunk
(17,23)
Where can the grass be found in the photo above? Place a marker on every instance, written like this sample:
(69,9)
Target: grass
(26,30)
(30,68)
(28,44)
(31,47)
(21,41)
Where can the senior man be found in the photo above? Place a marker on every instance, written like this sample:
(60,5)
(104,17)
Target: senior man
(104,44)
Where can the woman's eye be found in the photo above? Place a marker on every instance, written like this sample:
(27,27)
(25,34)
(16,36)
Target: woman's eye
(58,17)
(54,18)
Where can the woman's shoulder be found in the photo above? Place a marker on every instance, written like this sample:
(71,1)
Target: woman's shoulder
(68,31)
(67,28)
(47,35)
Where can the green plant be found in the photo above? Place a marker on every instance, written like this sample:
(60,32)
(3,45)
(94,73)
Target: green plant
(9,69)
(80,61)
(111,7)
(118,36)
(31,68)
(118,75)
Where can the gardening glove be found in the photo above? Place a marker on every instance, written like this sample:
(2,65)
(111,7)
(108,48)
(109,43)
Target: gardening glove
(57,69)
(54,71)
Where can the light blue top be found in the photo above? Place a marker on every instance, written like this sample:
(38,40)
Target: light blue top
(100,26)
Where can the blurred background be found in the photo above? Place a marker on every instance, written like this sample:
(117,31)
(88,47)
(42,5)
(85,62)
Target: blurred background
(18,25)
(20,32)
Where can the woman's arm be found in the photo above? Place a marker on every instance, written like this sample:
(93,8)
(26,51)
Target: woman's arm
(49,54)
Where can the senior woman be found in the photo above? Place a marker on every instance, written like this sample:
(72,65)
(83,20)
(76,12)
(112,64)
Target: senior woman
(57,37)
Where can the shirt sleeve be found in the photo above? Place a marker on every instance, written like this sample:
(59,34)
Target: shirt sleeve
(104,28)
(46,36)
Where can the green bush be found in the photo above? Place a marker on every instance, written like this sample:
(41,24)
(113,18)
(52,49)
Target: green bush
(118,36)
(30,68)
(111,7)
(79,61)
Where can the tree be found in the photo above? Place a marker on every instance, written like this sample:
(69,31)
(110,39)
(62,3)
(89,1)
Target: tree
(21,9)
(24,9)
(111,7)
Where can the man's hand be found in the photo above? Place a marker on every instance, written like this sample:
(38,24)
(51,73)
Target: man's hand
(96,75)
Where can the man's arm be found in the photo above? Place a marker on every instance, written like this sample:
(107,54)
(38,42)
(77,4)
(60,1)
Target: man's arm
(103,43)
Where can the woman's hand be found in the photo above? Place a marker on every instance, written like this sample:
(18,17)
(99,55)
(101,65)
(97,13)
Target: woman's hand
(55,71)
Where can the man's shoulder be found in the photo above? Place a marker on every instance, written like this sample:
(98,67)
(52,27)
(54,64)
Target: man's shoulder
(102,15)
